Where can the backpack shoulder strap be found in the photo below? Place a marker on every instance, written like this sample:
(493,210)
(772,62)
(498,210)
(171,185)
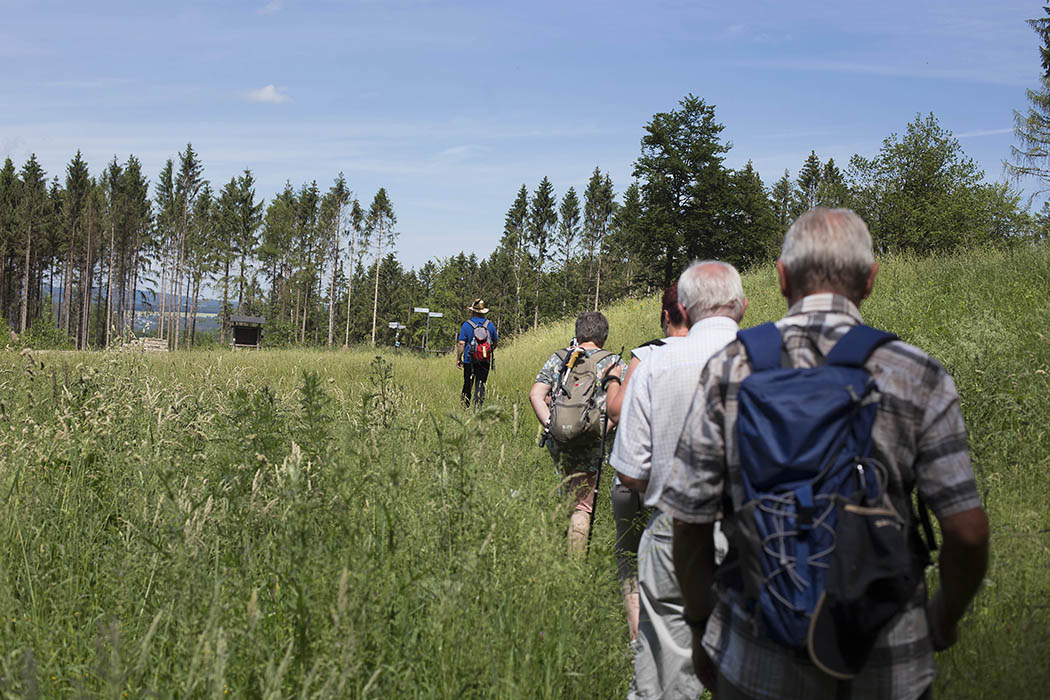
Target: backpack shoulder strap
(854,348)
(601,355)
(472,324)
(658,342)
(763,345)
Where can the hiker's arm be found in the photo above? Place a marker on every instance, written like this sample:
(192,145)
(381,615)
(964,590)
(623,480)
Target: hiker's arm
(614,402)
(460,345)
(613,381)
(693,550)
(538,399)
(639,485)
(962,565)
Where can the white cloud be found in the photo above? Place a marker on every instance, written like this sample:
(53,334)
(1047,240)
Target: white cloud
(269,94)
(459,153)
(271,7)
(984,132)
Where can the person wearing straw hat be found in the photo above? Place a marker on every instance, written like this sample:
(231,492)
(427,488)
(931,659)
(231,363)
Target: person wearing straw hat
(474,345)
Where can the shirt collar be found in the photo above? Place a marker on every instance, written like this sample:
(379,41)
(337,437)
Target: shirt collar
(711,322)
(826,302)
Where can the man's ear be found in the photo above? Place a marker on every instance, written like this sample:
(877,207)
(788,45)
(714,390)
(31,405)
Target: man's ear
(869,284)
(743,310)
(782,277)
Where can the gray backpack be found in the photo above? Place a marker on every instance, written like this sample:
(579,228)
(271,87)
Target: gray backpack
(577,408)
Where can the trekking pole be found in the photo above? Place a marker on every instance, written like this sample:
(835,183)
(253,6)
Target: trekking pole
(597,480)
(601,463)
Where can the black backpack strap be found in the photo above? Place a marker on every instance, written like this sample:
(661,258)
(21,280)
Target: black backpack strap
(658,342)
(854,348)
(927,526)
(763,345)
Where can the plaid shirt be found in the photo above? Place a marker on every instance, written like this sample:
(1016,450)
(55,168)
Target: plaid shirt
(918,435)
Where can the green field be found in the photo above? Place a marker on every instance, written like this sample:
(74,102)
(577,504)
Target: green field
(310,524)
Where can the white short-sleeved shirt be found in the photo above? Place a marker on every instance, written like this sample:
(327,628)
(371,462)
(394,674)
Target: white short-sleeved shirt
(657,401)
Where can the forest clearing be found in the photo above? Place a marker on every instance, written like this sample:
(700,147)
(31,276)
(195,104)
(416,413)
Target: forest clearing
(309,523)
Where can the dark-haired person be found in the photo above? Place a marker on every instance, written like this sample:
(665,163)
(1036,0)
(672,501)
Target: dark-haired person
(711,297)
(580,466)
(826,269)
(475,370)
(628,512)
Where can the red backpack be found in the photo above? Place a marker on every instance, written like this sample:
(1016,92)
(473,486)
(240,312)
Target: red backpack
(480,344)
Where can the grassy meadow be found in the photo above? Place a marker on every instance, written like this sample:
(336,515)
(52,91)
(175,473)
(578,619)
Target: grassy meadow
(307,524)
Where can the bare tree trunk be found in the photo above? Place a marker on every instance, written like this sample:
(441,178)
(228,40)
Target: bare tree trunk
(134,290)
(306,311)
(179,272)
(184,312)
(3,285)
(295,318)
(283,295)
(100,320)
(161,306)
(598,282)
(193,313)
(331,294)
(109,290)
(225,320)
(375,297)
(25,280)
(349,288)
(85,297)
(517,287)
(536,310)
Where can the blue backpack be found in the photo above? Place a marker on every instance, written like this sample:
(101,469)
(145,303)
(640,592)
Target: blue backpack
(810,483)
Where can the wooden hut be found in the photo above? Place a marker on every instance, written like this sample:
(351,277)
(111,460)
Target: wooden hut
(246,331)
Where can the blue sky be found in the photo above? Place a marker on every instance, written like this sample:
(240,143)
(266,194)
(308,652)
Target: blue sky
(452,106)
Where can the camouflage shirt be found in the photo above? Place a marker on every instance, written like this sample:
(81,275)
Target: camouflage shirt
(586,459)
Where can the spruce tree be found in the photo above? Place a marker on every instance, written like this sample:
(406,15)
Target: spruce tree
(809,179)
(1031,158)
(381,222)
(514,241)
(543,217)
(31,215)
(684,184)
(568,228)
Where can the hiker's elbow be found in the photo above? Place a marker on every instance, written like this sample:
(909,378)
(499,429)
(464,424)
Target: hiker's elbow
(639,485)
(967,530)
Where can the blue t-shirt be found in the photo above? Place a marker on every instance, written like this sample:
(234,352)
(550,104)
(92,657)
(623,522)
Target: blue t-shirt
(466,332)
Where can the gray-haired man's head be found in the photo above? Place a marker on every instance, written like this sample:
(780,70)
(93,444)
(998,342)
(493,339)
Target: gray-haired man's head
(828,250)
(711,288)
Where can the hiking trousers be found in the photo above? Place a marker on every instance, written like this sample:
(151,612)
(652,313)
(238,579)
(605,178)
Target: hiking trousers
(474,372)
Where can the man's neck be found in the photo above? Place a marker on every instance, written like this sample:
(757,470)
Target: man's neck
(588,346)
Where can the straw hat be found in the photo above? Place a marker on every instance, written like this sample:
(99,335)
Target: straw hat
(478,307)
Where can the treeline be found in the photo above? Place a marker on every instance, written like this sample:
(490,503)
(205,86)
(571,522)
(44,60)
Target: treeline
(321,268)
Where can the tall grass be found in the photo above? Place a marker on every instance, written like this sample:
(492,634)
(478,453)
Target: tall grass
(310,524)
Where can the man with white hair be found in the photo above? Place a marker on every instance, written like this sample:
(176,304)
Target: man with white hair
(826,269)
(658,397)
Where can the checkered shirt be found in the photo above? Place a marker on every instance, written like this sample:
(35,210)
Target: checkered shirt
(657,401)
(918,435)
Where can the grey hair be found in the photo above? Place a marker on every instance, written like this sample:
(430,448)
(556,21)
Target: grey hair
(828,249)
(711,288)
(592,326)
